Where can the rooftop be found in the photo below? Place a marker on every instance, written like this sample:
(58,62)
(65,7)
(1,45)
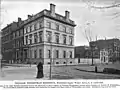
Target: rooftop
(45,13)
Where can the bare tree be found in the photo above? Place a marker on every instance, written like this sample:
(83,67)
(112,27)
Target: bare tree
(87,32)
(106,7)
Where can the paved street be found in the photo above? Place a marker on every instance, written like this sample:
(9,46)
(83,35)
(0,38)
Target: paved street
(79,72)
(59,72)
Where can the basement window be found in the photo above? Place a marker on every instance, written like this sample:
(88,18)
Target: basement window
(64,62)
(57,62)
(70,62)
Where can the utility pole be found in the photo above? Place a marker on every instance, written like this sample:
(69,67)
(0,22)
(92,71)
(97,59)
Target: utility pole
(92,50)
(92,55)
(50,76)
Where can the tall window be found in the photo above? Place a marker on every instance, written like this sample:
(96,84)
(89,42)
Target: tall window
(35,26)
(49,54)
(70,30)
(26,39)
(30,38)
(35,53)
(64,29)
(17,33)
(21,32)
(13,35)
(70,40)
(57,54)
(57,38)
(40,53)
(30,28)
(49,36)
(17,43)
(20,42)
(13,43)
(30,53)
(25,30)
(64,39)
(35,38)
(64,54)
(40,24)
(48,25)
(40,36)
(57,27)
(70,54)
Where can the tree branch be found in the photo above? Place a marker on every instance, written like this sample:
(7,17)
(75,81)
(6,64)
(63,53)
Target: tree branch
(107,7)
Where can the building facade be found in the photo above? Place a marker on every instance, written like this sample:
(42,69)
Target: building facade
(0,47)
(114,52)
(104,56)
(86,52)
(6,40)
(80,51)
(113,47)
(12,42)
(45,37)
(49,37)
(18,55)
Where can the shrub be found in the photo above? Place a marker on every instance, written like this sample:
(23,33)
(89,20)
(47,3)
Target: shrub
(111,71)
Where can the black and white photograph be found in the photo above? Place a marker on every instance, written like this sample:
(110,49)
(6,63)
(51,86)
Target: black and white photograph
(59,40)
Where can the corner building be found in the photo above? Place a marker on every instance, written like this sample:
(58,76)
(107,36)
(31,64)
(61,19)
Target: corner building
(49,36)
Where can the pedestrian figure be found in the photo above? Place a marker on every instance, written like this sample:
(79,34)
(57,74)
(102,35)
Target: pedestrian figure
(96,69)
(40,70)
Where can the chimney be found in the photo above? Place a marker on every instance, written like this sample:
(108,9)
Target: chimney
(29,16)
(52,9)
(19,19)
(67,15)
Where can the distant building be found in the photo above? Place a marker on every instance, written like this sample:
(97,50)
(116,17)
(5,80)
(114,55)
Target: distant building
(80,51)
(86,52)
(113,46)
(104,55)
(106,50)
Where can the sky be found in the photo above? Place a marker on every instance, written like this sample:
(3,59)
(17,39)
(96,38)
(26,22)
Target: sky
(97,23)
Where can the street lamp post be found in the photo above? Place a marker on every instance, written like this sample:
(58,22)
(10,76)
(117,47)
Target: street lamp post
(92,55)
(92,50)
(50,76)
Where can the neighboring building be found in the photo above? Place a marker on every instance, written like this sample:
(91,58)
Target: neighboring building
(114,52)
(97,49)
(86,52)
(18,55)
(80,51)
(6,39)
(113,46)
(50,36)
(0,47)
(12,42)
(104,55)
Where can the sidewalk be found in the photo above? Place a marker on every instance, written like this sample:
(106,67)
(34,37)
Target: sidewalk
(99,67)
(17,65)
(12,67)
(61,72)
